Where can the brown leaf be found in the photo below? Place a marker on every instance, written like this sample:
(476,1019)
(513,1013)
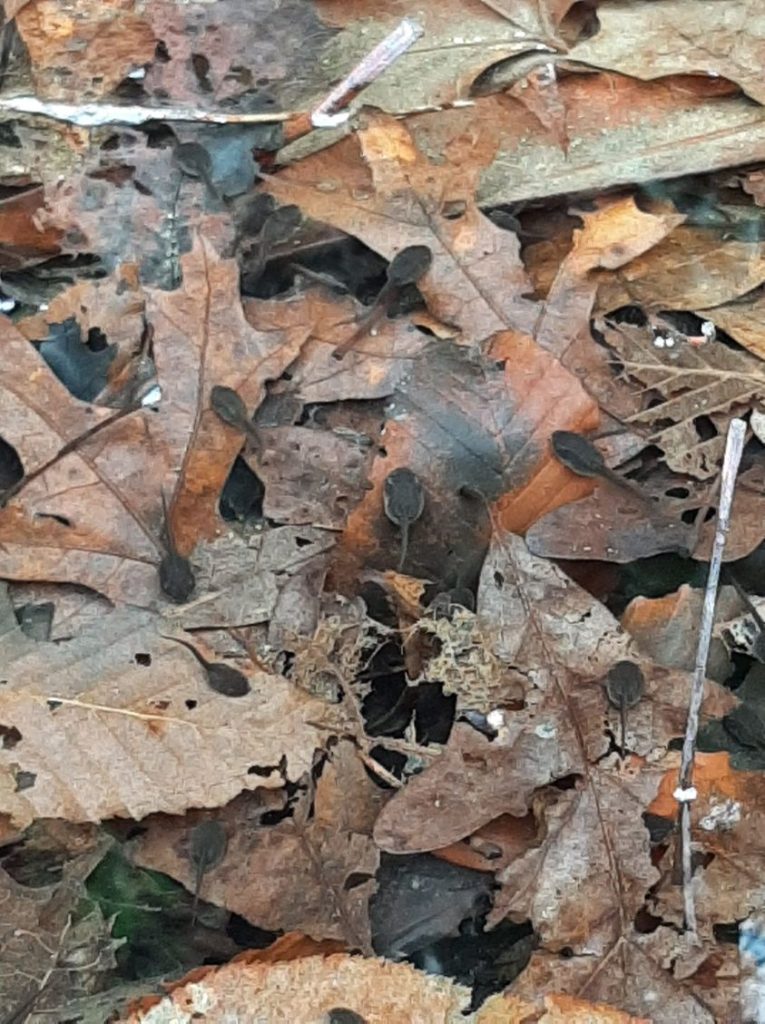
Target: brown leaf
(397,198)
(122,721)
(742,319)
(85,54)
(560,642)
(693,268)
(311,476)
(552,1009)
(104,499)
(323,851)
(616,234)
(708,380)
(611,527)
(460,422)
(461,42)
(632,977)
(645,43)
(666,629)
(23,238)
(38,939)
(308,988)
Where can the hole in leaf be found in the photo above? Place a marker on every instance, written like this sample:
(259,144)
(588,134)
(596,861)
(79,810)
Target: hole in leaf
(10,737)
(158,135)
(645,922)
(143,660)
(24,780)
(727,931)
(355,879)
(242,495)
(62,520)
(96,340)
(705,428)
(566,782)
(201,67)
(11,468)
(190,704)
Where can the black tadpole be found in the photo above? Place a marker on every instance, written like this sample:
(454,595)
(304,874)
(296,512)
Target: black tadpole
(625,686)
(223,678)
(403,504)
(176,577)
(207,848)
(229,407)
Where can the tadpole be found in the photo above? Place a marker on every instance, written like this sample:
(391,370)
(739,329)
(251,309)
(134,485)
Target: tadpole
(625,686)
(406,267)
(581,456)
(229,407)
(207,848)
(403,504)
(223,678)
(176,577)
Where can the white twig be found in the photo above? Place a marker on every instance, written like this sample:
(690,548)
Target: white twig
(331,111)
(685,793)
(326,115)
(93,115)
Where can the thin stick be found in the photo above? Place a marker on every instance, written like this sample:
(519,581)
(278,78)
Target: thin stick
(93,115)
(327,114)
(385,54)
(684,793)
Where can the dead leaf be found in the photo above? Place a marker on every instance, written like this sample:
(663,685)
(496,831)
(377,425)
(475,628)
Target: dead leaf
(666,629)
(693,268)
(325,840)
(711,380)
(122,695)
(556,643)
(468,428)
(84,53)
(305,989)
(558,1009)
(395,198)
(635,40)
(742,320)
(43,949)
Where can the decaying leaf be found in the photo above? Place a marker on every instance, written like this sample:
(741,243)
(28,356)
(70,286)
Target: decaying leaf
(324,841)
(126,706)
(710,380)
(310,988)
(47,955)
(398,198)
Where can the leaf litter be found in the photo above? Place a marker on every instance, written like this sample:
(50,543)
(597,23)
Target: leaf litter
(426,724)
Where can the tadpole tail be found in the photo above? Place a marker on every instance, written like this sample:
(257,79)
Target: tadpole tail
(197,887)
(404,545)
(623,724)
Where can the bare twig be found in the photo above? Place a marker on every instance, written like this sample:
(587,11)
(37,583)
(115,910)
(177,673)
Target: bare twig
(20,1013)
(328,113)
(383,56)
(94,115)
(685,793)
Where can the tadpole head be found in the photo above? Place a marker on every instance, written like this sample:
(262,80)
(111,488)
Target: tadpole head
(226,680)
(207,844)
(193,159)
(176,577)
(408,265)
(228,406)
